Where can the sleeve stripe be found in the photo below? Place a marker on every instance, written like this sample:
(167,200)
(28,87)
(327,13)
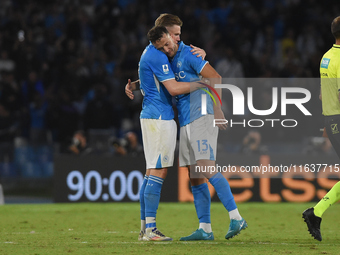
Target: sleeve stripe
(203,66)
(167,79)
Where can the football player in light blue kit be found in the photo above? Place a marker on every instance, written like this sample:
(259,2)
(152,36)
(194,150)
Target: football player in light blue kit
(158,85)
(202,201)
(198,142)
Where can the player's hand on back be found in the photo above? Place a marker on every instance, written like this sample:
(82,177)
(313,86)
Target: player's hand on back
(206,81)
(128,90)
(198,51)
(218,114)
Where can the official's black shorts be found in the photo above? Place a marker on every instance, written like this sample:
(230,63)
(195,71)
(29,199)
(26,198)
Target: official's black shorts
(332,124)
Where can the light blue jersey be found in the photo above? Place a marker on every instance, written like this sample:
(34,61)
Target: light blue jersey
(187,68)
(154,68)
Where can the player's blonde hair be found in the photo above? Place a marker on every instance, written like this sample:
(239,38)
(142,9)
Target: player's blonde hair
(168,20)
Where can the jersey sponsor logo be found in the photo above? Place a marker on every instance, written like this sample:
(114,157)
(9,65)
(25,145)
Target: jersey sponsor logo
(165,68)
(325,63)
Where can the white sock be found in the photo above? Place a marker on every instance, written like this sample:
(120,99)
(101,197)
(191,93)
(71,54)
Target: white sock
(206,227)
(142,225)
(235,215)
(150,223)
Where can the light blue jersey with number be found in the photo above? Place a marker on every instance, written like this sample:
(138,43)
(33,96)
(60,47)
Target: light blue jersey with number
(154,68)
(187,68)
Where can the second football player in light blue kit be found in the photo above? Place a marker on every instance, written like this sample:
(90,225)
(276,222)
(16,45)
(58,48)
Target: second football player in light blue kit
(198,142)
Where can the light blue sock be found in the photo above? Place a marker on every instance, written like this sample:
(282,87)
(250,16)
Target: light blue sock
(223,191)
(202,202)
(152,195)
(141,198)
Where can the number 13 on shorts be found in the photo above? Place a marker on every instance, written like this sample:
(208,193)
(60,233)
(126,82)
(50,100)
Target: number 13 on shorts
(202,145)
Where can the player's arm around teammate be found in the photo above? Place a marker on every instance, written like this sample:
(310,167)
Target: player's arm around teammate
(135,85)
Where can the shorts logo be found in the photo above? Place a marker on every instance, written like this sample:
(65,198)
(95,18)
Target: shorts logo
(325,63)
(334,128)
(165,68)
(165,158)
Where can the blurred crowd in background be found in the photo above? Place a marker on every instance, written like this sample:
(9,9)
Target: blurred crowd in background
(64,63)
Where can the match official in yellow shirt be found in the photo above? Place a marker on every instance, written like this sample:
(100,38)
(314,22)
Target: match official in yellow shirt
(330,96)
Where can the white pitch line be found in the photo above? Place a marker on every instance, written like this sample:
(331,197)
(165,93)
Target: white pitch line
(139,242)
(117,232)
(225,243)
(21,233)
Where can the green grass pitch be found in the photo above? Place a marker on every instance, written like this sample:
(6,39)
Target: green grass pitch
(112,228)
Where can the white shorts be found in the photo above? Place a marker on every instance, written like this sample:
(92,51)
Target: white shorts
(198,140)
(159,142)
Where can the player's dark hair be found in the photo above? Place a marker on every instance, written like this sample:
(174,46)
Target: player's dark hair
(156,33)
(168,20)
(335,27)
